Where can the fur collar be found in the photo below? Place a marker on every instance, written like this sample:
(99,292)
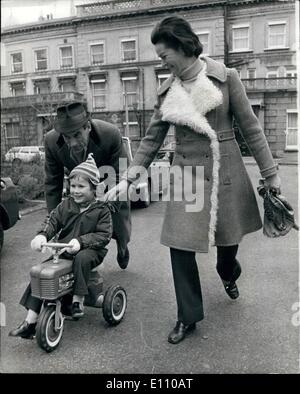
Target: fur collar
(179,104)
(189,109)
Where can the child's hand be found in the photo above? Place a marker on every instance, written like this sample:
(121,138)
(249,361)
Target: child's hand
(74,246)
(118,191)
(37,242)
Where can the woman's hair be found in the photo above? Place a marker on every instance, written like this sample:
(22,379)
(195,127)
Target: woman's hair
(176,33)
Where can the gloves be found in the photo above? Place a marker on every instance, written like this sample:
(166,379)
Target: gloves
(278,213)
(74,246)
(272,183)
(37,242)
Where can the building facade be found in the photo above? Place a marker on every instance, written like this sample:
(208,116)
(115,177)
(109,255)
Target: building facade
(104,57)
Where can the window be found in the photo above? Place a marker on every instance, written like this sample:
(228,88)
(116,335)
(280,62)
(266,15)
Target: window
(66,84)
(16,63)
(18,89)
(97,53)
(240,38)
(25,150)
(161,78)
(272,74)
(251,73)
(204,39)
(99,93)
(276,35)
(12,133)
(133,129)
(66,57)
(292,129)
(14,149)
(131,125)
(42,86)
(291,74)
(128,50)
(130,91)
(41,59)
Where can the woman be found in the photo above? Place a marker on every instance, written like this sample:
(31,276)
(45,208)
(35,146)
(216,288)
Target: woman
(200,99)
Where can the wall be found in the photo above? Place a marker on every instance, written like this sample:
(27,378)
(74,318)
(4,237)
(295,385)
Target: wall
(276,106)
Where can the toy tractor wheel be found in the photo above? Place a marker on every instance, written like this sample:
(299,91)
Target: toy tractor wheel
(47,336)
(114,305)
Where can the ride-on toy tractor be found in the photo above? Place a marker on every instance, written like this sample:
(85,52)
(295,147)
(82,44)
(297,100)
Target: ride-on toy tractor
(52,280)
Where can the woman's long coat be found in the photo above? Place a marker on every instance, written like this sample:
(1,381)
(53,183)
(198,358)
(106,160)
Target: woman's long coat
(203,121)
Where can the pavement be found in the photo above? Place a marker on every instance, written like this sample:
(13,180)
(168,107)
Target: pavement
(288,158)
(256,334)
(38,205)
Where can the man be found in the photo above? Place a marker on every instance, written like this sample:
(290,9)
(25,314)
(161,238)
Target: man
(74,136)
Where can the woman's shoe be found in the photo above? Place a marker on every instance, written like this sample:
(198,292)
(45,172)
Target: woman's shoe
(25,330)
(231,289)
(230,285)
(180,331)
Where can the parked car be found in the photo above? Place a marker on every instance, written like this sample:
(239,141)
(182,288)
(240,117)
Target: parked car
(9,207)
(169,148)
(160,165)
(159,171)
(25,153)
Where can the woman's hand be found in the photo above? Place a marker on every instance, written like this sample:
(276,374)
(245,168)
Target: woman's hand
(118,192)
(273,182)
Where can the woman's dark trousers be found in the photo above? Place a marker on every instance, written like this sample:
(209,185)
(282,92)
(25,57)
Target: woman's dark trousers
(187,281)
(84,261)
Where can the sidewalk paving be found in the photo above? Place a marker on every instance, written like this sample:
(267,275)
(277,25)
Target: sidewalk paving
(256,334)
(288,158)
(39,204)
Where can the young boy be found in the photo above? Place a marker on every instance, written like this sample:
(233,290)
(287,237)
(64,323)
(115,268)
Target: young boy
(86,225)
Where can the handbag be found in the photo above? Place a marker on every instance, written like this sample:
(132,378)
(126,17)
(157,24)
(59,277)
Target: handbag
(278,213)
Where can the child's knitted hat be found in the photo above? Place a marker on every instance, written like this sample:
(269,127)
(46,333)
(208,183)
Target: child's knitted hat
(87,169)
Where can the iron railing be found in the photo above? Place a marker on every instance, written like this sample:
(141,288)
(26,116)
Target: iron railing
(117,6)
(267,84)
